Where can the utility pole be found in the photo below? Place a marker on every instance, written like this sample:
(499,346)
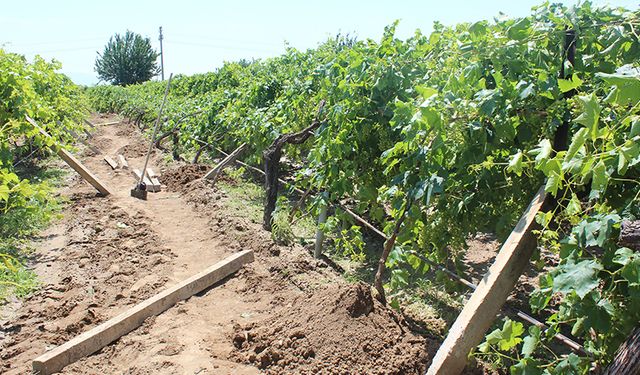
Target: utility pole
(161,55)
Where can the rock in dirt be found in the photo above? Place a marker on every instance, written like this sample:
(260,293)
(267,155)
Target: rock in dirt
(339,329)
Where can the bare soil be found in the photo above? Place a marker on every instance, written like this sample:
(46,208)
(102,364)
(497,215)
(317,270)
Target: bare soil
(339,329)
(176,178)
(296,314)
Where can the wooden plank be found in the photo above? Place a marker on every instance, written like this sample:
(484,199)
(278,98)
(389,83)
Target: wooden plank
(89,123)
(153,176)
(77,137)
(123,162)
(112,163)
(108,123)
(151,186)
(322,218)
(215,172)
(87,133)
(109,331)
(74,163)
(156,184)
(491,293)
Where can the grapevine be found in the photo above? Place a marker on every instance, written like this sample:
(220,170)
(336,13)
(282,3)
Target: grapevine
(462,121)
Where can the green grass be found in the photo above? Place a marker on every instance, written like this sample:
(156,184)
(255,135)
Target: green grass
(247,198)
(16,280)
(18,226)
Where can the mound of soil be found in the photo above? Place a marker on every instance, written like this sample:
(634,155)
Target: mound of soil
(176,178)
(126,131)
(135,150)
(339,329)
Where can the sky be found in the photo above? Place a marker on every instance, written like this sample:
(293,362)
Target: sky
(200,35)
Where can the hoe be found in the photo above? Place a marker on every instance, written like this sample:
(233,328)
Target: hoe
(140,190)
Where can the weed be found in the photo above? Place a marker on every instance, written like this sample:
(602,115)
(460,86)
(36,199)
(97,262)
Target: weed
(281,231)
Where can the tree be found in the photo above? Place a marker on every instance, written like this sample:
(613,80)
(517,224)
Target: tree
(127,60)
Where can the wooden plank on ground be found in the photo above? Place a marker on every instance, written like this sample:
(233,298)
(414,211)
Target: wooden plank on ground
(112,163)
(215,172)
(151,173)
(109,331)
(156,184)
(74,163)
(109,123)
(151,186)
(123,162)
(480,311)
(153,176)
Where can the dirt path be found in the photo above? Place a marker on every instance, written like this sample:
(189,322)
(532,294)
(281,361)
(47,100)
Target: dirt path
(286,312)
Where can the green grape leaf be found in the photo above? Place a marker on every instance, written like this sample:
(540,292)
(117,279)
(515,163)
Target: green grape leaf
(631,271)
(511,334)
(580,277)
(530,342)
(519,30)
(626,86)
(573,207)
(4,193)
(554,180)
(600,179)
(623,256)
(577,141)
(515,164)
(543,151)
(566,85)
(526,366)
(590,115)
(635,127)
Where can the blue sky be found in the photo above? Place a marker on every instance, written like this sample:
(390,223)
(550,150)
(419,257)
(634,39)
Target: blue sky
(201,35)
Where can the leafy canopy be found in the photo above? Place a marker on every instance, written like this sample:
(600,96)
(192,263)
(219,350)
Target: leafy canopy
(127,60)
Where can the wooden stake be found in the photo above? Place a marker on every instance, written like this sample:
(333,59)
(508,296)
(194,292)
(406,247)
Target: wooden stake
(215,172)
(492,292)
(74,163)
(89,123)
(322,218)
(109,331)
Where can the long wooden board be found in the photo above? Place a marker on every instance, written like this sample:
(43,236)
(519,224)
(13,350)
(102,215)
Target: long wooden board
(74,163)
(492,292)
(109,331)
(213,174)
